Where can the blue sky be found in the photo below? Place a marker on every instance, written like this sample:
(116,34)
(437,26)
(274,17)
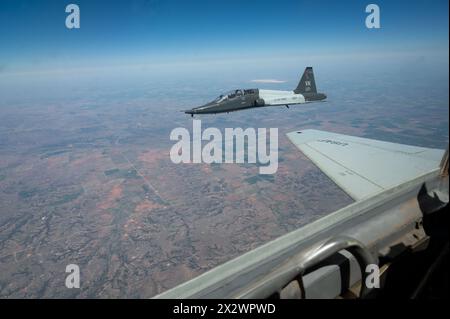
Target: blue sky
(33,34)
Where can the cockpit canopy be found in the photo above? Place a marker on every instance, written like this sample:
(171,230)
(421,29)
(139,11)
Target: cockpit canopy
(234,93)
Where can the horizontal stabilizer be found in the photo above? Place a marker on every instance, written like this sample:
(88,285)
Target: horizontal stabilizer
(363,167)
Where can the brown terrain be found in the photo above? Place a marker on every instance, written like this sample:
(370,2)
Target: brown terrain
(90,182)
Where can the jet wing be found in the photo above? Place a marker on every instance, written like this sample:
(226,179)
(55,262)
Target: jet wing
(291,266)
(363,167)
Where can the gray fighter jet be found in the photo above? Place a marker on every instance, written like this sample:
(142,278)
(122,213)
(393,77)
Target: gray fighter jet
(248,98)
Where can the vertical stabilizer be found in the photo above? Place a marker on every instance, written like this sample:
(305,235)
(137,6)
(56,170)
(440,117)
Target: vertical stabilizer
(307,83)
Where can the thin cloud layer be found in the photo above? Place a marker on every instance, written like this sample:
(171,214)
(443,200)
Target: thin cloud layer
(267,81)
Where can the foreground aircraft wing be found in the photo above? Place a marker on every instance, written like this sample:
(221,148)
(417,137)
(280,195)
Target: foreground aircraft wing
(401,193)
(363,167)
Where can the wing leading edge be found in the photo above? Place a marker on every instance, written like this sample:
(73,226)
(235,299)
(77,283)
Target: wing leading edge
(363,167)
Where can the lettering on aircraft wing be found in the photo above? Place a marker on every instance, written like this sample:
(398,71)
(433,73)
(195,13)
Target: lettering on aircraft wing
(333,142)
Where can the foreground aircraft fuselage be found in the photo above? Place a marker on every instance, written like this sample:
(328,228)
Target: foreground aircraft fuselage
(248,98)
(383,243)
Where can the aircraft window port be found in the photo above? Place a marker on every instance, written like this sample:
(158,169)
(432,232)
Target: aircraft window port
(221,98)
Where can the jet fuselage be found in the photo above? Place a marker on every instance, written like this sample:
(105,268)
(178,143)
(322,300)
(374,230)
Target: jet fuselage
(244,99)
